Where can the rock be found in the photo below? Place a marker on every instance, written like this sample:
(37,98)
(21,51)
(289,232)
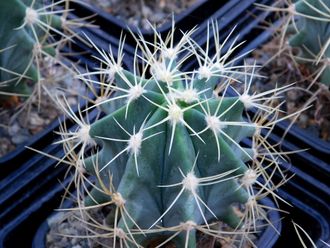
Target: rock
(72,101)
(76,246)
(13,129)
(36,120)
(5,146)
(20,139)
(74,242)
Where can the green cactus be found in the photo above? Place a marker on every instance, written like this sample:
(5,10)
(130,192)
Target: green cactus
(26,33)
(313,35)
(169,161)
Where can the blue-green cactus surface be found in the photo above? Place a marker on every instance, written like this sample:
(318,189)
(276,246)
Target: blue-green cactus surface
(313,35)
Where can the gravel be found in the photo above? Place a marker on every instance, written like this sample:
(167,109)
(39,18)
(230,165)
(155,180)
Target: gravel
(64,224)
(139,13)
(20,124)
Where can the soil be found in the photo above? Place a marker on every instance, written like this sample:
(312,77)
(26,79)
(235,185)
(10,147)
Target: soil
(66,230)
(137,13)
(25,118)
(283,70)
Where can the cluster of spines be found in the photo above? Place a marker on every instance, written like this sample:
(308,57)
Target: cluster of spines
(173,95)
(28,43)
(307,23)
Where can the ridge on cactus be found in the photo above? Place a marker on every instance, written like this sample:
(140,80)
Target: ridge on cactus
(27,38)
(167,156)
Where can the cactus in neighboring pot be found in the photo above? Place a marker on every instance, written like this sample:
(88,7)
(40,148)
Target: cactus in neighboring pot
(27,37)
(307,24)
(170,163)
(313,35)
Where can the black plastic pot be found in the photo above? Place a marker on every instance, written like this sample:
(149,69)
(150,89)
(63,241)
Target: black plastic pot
(13,160)
(242,19)
(200,12)
(34,182)
(186,20)
(240,16)
(309,199)
(266,239)
(311,167)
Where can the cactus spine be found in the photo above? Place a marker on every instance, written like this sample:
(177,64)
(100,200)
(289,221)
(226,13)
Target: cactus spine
(313,35)
(307,24)
(27,38)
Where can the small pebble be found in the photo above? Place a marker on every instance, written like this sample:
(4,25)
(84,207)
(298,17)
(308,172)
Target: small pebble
(76,246)
(19,139)
(14,129)
(35,120)
(74,242)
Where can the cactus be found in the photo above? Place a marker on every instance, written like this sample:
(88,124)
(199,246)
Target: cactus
(313,35)
(307,24)
(27,37)
(168,159)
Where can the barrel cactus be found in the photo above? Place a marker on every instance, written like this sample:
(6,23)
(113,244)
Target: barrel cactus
(313,35)
(168,159)
(307,24)
(27,38)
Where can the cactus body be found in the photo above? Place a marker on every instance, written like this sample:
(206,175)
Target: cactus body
(26,38)
(313,36)
(138,180)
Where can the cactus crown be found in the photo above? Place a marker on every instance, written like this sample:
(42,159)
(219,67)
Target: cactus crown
(169,160)
(27,38)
